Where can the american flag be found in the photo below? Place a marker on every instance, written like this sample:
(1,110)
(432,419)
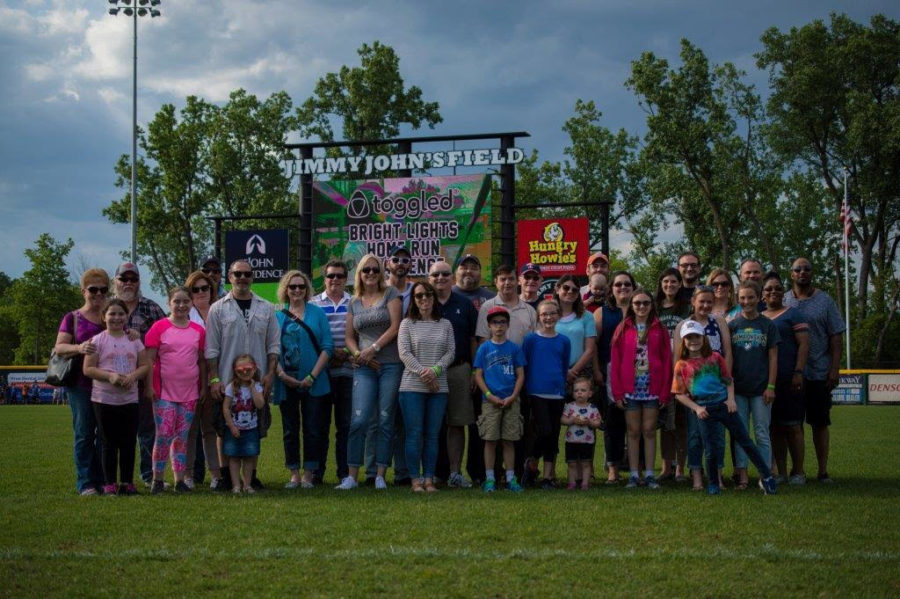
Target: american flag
(846,217)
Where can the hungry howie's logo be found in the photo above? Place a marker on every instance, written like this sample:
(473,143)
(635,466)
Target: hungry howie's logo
(553,248)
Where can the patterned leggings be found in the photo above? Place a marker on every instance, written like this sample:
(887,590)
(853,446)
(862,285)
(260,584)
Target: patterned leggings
(173,423)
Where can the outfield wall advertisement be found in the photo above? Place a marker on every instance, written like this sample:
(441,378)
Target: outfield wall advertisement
(434,217)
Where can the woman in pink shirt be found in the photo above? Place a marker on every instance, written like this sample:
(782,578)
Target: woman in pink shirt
(176,345)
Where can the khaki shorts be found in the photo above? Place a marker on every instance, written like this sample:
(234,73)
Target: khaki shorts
(497,423)
(460,411)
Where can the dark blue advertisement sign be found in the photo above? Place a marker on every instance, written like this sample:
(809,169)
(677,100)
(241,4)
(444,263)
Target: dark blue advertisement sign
(267,251)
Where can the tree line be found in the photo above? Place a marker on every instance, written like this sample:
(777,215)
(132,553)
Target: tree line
(741,173)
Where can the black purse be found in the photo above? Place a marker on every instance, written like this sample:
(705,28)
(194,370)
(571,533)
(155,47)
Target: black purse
(64,371)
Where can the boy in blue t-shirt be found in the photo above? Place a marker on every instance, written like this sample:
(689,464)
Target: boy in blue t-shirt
(500,373)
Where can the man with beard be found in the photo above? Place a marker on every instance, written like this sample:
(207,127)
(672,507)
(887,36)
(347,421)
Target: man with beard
(142,313)
(689,267)
(241,323)
(530,281)
(468,282)
(397,266)
(822,374)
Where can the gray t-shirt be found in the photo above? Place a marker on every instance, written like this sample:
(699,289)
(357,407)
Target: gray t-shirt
(371,323)
(824,320)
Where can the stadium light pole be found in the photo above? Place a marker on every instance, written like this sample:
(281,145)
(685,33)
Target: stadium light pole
(134,9)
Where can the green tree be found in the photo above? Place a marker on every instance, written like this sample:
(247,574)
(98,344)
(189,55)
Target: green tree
(835,108)
(9,330)
(205,161)
(371,101)
(40,297)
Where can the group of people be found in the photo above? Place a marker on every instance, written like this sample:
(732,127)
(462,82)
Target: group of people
(406,369)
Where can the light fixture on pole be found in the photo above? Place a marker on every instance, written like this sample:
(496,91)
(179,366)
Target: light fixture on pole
(134,9)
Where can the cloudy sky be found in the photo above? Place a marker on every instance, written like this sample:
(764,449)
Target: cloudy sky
(65,75)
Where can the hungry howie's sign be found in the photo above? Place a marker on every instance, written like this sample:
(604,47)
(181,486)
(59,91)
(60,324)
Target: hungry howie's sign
(560,246)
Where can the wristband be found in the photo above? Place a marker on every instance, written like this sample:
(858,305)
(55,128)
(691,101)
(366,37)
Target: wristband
(488,394)
(347,349)
(215,380)
(311,378)
(375,346)
(770,387)
(436,369)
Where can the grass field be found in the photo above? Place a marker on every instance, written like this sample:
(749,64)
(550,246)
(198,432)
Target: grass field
(817,540)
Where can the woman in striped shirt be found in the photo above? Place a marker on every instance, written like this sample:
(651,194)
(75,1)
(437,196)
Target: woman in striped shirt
(427,350)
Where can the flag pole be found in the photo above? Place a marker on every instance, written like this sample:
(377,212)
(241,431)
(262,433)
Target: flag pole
(846,233)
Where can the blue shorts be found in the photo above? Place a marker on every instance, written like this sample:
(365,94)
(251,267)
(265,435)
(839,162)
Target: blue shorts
(246,446)
(634,405)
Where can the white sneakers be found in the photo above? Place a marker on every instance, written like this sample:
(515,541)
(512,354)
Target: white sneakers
(348,483)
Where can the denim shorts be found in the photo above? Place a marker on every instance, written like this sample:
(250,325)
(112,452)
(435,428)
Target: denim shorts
(633,405)
(246,446)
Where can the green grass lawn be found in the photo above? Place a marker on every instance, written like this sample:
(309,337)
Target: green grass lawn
(817,540)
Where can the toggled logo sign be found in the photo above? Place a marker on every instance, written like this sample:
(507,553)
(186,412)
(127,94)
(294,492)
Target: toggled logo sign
(266,251)
(558,246)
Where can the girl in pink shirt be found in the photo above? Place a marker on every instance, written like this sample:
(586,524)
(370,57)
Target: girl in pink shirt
(176,346)
(116,366)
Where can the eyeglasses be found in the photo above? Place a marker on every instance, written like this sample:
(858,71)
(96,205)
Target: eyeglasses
(641,304)
(297,287)
(721,284)
(247,368)
(802,268)
(211,271)
(129,279)
(423,295)
(399,260)
(622,284)
(335,275)
(200,289)
(370,270)
(778,289)
(93,290)
(689,265)
(440,273)
(568,289)
(242,274)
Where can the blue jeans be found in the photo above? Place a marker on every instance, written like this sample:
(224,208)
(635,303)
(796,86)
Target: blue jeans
(696,444)
(762,418)
(87,446)
(294,404)
(341,399)
(423,414)
(374,392)
(714,439)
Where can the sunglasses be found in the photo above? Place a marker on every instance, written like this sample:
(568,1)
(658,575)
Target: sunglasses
(532,278)
(370,270)
(568,289)
(423,295)
(621,284)
(129,279)
(721,284)
(242,274)
(200,289)
(399,260)
(248,368)
(93,290)
(297,287)
(773,289)
(802,269)
(440,273)
(335,275)
(641,304)
(211,271)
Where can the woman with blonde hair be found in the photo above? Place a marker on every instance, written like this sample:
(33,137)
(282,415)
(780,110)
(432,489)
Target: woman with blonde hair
(373,320)
(723,291)
(302,385)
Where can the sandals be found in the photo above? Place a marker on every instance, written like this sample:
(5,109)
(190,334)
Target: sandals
(417,486)
(429,487)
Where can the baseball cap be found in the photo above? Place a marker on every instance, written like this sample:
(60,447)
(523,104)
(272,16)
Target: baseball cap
(471,257)
(597,256)
(497,311)
(692,327)
(400,247)
(212,259)
(128,267)
(530,268)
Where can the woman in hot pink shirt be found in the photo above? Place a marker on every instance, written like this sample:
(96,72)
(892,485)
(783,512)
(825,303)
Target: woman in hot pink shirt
(176,346)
